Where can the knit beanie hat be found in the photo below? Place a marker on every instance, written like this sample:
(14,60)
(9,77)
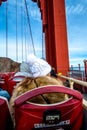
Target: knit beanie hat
(37,67)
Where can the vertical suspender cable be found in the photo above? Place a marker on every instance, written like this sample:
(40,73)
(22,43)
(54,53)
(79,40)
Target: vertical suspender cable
(42,43)
(22,29)
(6,29)
(25,42)
(16,35)
(29,25)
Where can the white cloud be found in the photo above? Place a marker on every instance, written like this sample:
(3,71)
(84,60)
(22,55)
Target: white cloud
(73,49)
(35,14)
(75,61)
(76,9)
(80,49)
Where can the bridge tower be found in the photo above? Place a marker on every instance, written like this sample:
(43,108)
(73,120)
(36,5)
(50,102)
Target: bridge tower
(54,26)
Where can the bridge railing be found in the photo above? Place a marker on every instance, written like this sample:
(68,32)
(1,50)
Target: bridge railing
(79,82)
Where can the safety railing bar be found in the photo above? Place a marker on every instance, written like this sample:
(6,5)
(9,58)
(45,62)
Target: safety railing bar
(84,104)
(83,83)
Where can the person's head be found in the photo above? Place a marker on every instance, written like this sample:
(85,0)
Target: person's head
(37,67)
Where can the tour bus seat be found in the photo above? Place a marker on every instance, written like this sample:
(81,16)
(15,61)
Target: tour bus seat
(8,81)
(5,117)
(66,115)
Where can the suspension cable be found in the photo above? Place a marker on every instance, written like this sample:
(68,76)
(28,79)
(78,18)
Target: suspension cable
(42,43)
(29,25)
(22,29)
(6,29)
(16,34)
(25,43)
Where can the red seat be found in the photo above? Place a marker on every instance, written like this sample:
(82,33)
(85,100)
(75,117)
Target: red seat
(8,81)
(5,118)
(66,115)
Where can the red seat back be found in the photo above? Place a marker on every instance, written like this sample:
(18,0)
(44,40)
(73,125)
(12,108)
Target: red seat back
(29,114)
(5,118)
(8,81)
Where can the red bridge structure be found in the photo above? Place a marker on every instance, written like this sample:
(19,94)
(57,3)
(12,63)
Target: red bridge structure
(54,26)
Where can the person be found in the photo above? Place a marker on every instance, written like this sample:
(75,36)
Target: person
(38,75)
(5,94)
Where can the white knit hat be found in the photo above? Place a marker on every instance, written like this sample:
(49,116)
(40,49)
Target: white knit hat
(37,67)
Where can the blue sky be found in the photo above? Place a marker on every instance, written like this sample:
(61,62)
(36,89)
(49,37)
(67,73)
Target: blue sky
(76,14)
